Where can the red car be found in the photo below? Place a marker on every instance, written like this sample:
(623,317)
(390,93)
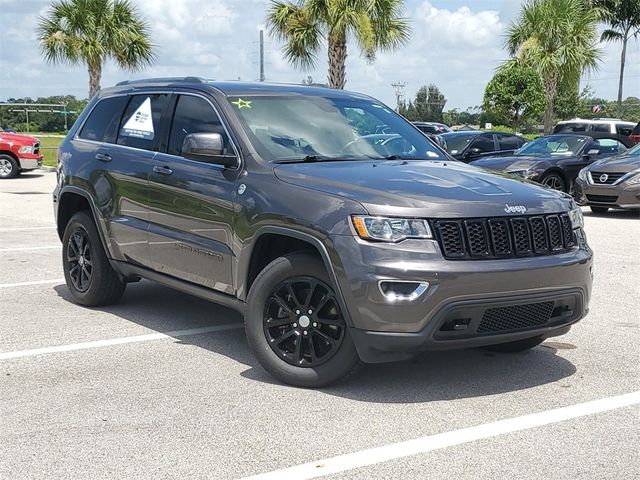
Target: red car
(635,135)
(18,153)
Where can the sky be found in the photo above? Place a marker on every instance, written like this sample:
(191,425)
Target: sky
(455,44)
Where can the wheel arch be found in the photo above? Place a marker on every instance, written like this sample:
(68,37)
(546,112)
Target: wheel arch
(272,242)
(72,200)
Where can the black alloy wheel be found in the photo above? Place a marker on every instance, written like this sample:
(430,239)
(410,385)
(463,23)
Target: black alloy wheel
(79,260)
(302,321)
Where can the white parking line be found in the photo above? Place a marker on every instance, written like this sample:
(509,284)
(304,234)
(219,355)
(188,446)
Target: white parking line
(117,341)
(17,229)
(35,282)
(430,443)
(22,249)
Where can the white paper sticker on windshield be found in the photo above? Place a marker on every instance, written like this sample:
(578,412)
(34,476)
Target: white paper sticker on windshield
(140,124)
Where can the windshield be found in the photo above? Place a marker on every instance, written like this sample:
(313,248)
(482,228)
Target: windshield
(563,145)
(457,142)
(297,128)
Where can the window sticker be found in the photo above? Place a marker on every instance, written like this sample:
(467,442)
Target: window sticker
(140,124)
(240,103)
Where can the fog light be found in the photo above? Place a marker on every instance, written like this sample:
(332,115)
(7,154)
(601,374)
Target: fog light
(402,291)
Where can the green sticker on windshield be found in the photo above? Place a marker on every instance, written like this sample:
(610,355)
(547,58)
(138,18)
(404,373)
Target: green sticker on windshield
(240,103)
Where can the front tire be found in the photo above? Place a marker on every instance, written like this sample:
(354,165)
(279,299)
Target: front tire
(90,277)
(554,181)
(517,346)
(9,168)
(295,326)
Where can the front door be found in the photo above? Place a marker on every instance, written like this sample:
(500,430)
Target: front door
(192,204)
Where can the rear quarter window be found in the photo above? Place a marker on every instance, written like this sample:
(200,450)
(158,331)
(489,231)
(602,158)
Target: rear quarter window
(623,129)
(104,119)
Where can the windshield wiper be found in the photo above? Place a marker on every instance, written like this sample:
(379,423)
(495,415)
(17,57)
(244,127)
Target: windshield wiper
(320,158)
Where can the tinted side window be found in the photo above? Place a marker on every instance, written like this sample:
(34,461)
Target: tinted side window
(141,121)
(601,127)
(509,142)
(570,127)
(193,115)
(484,143)
(102,124)
(624,129)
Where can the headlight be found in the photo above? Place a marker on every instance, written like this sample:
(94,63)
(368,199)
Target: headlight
(528,174)
(633,180)
(577,220)
(583,175)
(390,229)
(26,149)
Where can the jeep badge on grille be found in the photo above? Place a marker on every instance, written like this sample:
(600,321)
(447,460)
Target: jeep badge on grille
(515,208)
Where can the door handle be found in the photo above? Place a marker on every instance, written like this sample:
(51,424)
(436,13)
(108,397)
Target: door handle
(103,157)
(162,170)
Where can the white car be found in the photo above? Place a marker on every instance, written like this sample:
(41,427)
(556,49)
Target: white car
(604,125)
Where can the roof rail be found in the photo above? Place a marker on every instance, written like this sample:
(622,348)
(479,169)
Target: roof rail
(163,79)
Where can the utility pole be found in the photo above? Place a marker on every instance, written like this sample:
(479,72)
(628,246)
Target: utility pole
(399,88)
(262,55)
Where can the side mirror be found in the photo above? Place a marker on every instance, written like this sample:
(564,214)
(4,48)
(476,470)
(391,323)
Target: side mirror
(208,148)
(475,151)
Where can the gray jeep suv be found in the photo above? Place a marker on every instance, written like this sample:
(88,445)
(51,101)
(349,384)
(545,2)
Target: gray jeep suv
(339,245)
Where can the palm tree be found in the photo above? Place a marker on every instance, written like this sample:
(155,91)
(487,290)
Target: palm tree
(623,16)
(305,24)
(559,38)
(92,31)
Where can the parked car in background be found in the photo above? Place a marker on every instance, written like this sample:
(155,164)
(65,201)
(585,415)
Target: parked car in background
(555,160)
(432,127)
(18,153)
(470,145)
(635,134)
(602,125)
(611,182)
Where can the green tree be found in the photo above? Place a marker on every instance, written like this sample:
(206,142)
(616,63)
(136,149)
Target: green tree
(514,94)
(559,39)
(92,31)
(305,24)
(429,104)
(623,19)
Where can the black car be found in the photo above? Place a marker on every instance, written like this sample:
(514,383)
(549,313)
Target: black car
(470,145)
(555,160)
(337,243)
(432,127)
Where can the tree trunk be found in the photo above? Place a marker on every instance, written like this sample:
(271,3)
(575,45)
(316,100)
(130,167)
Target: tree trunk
(622,59)
(95,74)
(550,90)
(337,59)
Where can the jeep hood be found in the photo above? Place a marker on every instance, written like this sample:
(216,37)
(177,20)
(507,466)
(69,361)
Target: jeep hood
(423,188)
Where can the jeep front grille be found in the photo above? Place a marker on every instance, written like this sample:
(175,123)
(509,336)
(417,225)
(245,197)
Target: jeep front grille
(504,237)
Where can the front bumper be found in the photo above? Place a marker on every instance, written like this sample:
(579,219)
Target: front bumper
(621,196)
(384,330)
(30,162)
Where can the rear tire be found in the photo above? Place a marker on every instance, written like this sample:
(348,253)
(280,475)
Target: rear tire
(9,168)
(90,277)
(275,324)
(517,346)
(599,210)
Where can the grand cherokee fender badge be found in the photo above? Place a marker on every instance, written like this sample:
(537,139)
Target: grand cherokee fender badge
(515,208)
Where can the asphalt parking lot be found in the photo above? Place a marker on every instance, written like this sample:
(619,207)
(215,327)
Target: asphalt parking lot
(163,385)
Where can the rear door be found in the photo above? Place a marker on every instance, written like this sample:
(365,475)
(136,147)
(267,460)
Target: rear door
(192,202)
(480,146)
(121,160)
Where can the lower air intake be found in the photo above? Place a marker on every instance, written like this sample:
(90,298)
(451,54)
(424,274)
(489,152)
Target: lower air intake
(515,317)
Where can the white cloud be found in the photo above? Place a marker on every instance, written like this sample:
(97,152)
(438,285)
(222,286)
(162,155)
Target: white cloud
(457,48)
